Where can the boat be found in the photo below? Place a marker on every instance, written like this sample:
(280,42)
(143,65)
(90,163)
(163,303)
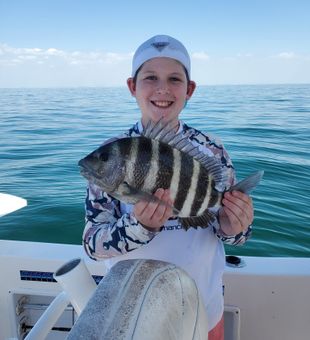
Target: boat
(266,298)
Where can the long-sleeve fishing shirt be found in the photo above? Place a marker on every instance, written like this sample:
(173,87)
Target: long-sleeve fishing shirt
(112,233)
(112,229)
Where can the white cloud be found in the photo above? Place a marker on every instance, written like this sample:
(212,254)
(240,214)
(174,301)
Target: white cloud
(27,57)
(116,57)
(8,53)
(38,67)
(252,69)
(286,55)
(292,56)
(200,56)
(55,52)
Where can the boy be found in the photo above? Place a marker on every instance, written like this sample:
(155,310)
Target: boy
(161,84)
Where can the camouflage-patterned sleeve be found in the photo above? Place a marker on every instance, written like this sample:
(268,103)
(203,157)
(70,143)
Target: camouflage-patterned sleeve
(242,237)
(217,148)
(234,240)
(108,232)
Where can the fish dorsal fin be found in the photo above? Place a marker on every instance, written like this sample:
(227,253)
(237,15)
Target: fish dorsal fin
(165,132)
(158,130)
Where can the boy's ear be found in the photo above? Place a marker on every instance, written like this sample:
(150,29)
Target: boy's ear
(131,86)
(190,89)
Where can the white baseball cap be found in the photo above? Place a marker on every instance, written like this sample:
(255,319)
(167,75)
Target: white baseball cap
(161,46)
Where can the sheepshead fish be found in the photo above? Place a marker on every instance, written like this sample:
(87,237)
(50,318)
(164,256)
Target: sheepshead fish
(133,168)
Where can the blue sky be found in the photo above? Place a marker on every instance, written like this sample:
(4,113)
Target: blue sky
(90,43)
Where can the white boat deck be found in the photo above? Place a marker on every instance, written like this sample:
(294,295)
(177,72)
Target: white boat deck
(267,299)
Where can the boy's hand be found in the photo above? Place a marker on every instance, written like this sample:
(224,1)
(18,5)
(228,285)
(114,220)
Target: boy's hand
(236,214)
(153,215)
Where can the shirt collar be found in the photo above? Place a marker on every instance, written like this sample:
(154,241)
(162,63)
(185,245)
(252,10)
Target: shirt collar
(140,126)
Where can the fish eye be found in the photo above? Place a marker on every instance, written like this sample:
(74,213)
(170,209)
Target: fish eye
(104,156)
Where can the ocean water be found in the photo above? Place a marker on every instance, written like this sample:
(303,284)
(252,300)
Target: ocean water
(44,132)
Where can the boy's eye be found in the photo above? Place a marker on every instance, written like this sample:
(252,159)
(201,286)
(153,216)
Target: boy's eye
(150,78)
(175,79)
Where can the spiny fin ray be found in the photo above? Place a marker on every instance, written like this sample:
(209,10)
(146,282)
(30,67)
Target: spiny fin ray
(164,132)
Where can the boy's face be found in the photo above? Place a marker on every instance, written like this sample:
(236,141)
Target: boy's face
(161,89)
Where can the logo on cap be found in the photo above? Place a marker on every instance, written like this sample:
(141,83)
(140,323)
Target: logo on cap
(160,45)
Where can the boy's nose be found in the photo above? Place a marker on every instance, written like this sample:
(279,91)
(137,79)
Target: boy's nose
(163,88)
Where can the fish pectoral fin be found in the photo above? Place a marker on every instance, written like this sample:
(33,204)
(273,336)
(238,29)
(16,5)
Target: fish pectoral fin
(128,190)
(197,221)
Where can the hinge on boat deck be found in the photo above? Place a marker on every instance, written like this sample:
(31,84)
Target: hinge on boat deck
(29,308)
(22,327)
(19,308)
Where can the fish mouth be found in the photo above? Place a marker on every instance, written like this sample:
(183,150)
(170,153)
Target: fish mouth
(87,171)
(162,104)
(92,176)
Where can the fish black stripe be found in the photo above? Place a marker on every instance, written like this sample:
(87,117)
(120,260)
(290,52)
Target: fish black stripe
(165,166)
(125,150)
(124,146)
(185,180)
(201,191)
(143,161)
(215,195)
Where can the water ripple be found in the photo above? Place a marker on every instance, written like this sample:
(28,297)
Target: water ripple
(44,132)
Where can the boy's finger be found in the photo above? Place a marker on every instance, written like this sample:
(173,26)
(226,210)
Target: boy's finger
(140,207)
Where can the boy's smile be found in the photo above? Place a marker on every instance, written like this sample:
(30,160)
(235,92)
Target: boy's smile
(161,89)
(162,104)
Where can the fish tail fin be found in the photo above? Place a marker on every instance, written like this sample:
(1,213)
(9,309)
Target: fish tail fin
(249,183)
